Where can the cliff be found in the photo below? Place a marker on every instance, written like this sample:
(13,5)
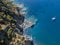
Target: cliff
(11,33)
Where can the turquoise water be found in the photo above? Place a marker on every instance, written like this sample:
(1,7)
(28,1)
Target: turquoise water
(46,31)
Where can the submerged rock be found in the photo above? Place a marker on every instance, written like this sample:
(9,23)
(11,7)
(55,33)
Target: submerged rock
(29,42)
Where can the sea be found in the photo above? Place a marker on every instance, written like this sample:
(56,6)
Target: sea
(46,31)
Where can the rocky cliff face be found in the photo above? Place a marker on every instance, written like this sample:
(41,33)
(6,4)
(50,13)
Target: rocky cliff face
(10,20)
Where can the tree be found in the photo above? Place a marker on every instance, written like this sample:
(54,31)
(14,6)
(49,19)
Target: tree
(7,14)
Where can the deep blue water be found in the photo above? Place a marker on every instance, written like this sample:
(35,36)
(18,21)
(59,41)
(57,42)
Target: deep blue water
(46,31)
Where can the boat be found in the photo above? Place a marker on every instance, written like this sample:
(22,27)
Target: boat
(53,18)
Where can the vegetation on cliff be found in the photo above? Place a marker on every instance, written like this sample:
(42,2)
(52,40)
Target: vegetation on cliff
(11,22)
(10,19)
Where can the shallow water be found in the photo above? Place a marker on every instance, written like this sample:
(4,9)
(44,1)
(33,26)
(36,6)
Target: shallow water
(46,31)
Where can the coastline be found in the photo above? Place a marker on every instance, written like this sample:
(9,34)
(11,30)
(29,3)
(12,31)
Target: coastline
(13,17)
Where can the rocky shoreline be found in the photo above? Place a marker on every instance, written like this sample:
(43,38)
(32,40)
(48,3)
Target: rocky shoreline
(12,24)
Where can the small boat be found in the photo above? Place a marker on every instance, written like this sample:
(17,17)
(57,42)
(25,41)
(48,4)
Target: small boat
(54,18)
